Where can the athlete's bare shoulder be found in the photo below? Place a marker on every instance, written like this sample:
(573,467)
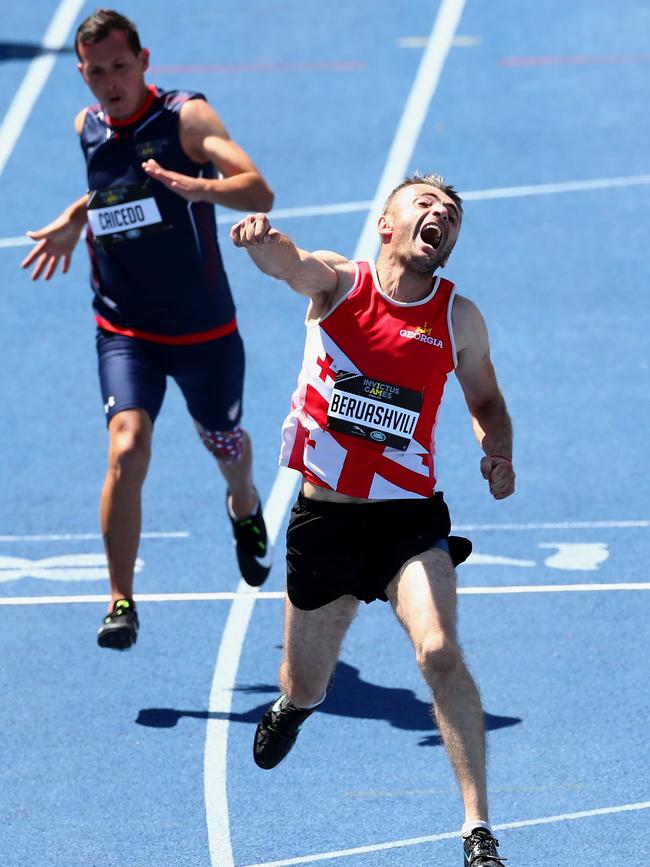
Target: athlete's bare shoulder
(79,121)
(346,274)
(467,322)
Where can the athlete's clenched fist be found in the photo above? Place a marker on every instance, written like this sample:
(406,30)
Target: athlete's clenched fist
(252,230)
(500,475)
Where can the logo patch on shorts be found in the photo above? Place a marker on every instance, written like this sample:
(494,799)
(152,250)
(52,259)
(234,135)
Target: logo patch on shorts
(110,403)
(233,412)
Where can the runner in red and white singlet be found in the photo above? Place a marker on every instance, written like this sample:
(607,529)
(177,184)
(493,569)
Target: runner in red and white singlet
(368,522)
(404,346)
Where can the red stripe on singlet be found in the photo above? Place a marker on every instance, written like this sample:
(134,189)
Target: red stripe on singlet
(180,340)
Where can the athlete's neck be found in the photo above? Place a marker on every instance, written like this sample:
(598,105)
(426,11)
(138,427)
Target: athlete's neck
(402,284)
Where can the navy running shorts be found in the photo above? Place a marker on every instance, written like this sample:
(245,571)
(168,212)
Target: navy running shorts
(133,375)
(338,549)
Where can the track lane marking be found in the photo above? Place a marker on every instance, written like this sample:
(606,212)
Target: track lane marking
(82,537)
(215,757)
(640,523)
(578,186)
(454,835)
(245,592)
(417,106)
(36,77)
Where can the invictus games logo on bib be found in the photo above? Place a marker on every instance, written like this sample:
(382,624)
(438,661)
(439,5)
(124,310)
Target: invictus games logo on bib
(380,390)
(384,413)
(423,335)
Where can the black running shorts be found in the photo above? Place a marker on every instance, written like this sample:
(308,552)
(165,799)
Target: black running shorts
(335,549)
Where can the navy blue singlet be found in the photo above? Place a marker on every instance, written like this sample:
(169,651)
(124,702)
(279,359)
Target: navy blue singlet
(156,268)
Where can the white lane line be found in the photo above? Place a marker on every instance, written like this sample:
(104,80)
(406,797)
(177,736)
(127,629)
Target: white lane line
(245,592)
(551,189)
(215,762)
(290,485)
(578,186)
(468,196)
(451,835)
(457,42)
(216,791)
(35,78)
(557,525)
(415,112)
(15,242)
(82,537)
(550,588)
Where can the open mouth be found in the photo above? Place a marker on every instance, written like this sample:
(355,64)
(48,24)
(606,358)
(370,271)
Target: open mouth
(431,235)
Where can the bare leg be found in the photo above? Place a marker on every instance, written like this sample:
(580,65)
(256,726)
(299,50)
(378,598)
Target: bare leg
(312,641)
(120,511)
(423,596)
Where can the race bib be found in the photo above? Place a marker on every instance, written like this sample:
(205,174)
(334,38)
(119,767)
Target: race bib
(124,213)
(381,412)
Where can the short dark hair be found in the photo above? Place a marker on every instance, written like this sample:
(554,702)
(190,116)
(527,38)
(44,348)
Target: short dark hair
(436,181)
(100,24)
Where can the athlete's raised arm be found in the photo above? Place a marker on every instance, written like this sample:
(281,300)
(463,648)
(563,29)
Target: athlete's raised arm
(319,275)
(490,418)
(204,138)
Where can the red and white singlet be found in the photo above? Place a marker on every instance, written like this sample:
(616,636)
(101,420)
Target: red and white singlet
(363,416)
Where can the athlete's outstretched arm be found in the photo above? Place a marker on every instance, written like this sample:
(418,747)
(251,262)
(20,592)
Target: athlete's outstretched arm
(485,402)
(312,274)
(205,139)
(56,241)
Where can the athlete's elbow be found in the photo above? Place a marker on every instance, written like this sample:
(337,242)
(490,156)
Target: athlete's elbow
(262,198)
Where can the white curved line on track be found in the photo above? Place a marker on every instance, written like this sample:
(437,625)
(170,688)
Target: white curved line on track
(246,592)
(467,196)
(223,682)
(83,537)
(216,745)
(451,835)
(35,78)
(184,534)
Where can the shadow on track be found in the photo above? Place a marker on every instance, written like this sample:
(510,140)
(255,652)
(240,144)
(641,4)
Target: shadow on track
(351,697)
(28,50)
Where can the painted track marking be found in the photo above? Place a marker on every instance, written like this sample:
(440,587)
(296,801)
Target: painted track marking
(81,537)
(184,534)
(36,77)
(455,835)
(245,592)
(305,211)
(215,765)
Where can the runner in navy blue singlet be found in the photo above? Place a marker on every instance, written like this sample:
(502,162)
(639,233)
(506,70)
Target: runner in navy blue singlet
(157,163)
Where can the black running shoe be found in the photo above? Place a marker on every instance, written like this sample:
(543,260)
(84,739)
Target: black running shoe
(254,551)
(120,628)
(480,850)
(277,732)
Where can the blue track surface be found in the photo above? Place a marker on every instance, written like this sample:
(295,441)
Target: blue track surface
(116,759)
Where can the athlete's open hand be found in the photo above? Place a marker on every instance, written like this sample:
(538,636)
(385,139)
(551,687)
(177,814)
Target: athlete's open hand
(500,475)
(253,230)
(56,243)
(191,189)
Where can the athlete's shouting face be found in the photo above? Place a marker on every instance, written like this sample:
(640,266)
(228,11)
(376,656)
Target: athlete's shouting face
(115,74)
(421,225)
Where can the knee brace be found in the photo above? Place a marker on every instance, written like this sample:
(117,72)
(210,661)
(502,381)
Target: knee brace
(226,446)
